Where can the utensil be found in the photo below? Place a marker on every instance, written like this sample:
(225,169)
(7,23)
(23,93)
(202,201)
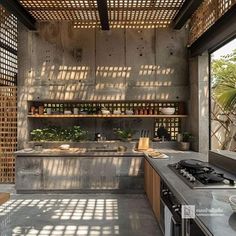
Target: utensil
(28,149)
(141,135)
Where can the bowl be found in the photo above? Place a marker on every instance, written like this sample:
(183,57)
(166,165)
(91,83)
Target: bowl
(67,112)
(168,110)
(28,149)
(129,112)
(117,112)
(105,112)
(232,201)
(65,147)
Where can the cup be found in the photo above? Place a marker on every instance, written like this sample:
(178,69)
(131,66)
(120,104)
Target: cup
(49,111)
(179,138)
(75,110)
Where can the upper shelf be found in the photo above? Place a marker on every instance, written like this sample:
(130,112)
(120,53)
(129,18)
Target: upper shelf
(107,116)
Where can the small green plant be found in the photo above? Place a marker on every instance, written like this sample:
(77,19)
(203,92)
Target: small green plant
(187,137)
(54,133)
(124,134)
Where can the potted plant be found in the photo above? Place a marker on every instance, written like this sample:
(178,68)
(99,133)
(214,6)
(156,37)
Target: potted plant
(124,134)
(185,143)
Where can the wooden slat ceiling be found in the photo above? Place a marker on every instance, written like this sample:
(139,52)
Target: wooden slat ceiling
(122,13)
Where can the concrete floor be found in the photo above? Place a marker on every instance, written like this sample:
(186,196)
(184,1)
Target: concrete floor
(78,214)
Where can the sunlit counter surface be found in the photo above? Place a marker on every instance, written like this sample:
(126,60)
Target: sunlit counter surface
(76,152)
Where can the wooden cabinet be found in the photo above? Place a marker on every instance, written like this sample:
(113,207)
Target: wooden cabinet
(152,188)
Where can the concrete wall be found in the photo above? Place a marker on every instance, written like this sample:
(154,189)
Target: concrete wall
(198,122)
(59,62)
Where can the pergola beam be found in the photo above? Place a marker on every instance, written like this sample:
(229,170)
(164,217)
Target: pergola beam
(103,14)
(14,7)
(185,12)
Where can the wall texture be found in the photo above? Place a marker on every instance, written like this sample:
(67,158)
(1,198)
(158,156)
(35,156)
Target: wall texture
(198,122)
(59,62)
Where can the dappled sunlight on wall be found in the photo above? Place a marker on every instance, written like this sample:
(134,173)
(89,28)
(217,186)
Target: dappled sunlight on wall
(113,72)
(59,62)
(73,72)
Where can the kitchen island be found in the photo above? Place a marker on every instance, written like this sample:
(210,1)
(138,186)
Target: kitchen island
(78,170)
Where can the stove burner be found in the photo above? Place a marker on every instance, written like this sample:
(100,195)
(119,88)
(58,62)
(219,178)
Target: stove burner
(193,164)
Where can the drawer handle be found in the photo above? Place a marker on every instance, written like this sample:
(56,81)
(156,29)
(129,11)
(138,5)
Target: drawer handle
(29,172)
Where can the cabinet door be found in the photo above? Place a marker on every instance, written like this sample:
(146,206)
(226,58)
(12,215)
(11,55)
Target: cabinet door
(29,173)
(63,173)
(152,188)
(148,176)
(156,195)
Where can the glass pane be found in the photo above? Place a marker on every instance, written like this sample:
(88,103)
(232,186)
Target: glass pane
(223,98)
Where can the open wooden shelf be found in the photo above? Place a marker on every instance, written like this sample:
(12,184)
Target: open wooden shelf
(107,116)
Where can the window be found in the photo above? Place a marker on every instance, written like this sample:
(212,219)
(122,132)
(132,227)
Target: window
(223,98)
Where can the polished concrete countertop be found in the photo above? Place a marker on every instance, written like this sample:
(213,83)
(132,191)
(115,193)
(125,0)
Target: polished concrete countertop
(203,199)
(74,152)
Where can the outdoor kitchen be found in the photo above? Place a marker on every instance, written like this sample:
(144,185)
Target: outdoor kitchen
(118,117)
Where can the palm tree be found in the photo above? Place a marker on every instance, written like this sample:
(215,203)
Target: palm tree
(224,94)
(224,81)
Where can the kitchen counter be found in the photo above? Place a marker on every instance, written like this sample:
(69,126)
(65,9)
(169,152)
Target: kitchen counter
(203,199)
(79,170)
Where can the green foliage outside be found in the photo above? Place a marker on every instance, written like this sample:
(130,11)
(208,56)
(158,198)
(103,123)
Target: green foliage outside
(74,134)
(224,94)
(224,81)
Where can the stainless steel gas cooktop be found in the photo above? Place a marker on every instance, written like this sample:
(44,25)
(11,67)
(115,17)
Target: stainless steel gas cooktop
(198,174)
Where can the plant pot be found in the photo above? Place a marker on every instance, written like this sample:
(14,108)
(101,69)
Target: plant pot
(184,146)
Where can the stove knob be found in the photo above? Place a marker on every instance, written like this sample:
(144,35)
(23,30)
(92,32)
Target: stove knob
(189,176)
(165,192)
(177,166)
(174,206)
(177,209)
(192,179)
